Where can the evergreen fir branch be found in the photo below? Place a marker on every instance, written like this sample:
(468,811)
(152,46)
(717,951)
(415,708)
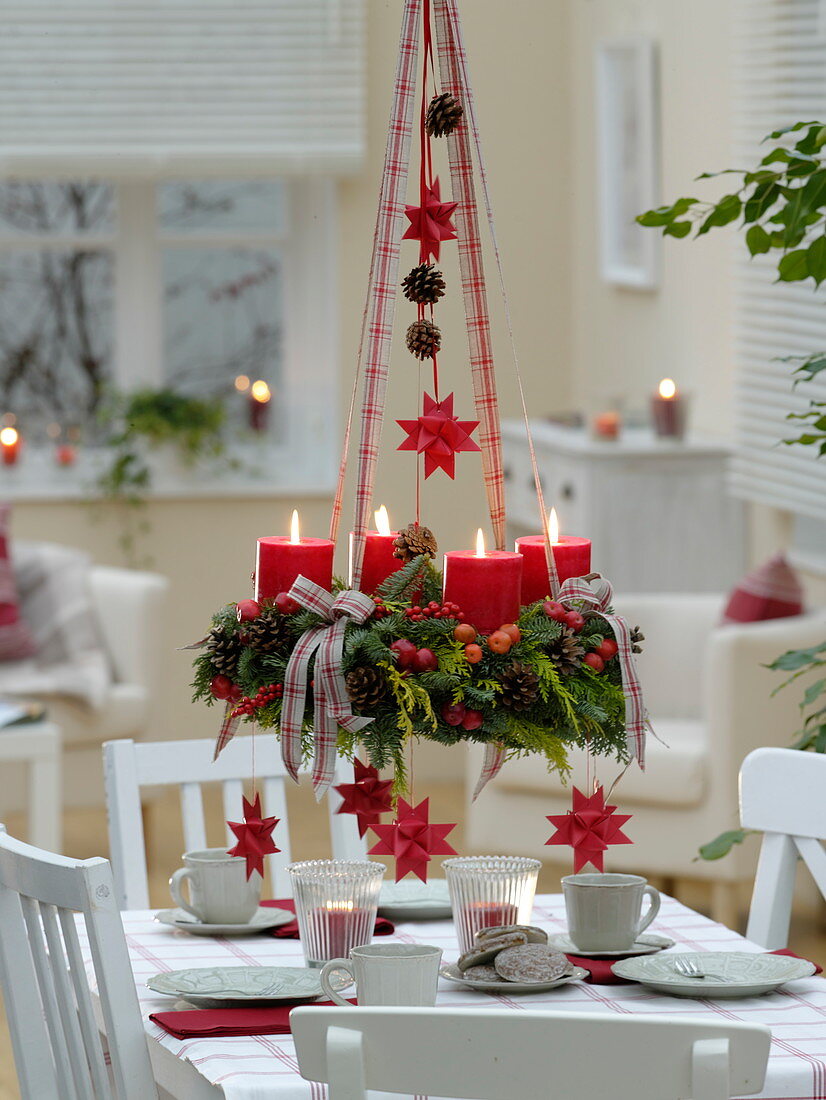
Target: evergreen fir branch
(401,583)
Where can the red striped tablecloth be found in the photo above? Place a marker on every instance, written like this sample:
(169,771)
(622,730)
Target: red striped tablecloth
(265,1068)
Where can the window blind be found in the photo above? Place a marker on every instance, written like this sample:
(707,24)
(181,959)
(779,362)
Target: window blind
(779,78)
(126,88)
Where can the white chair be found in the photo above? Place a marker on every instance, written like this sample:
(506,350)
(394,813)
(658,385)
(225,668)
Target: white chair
(188,764)
(782,795)
(710,698)
(501,1054)
(57,1048)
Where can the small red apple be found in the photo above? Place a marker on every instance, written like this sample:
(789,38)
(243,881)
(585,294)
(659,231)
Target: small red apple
(405,652)
(555,611)
(453,713)
(286,604)
(595,661)
(607,649)
(575,621)
(425,661)
(247,610)
(473,720)
(221,686)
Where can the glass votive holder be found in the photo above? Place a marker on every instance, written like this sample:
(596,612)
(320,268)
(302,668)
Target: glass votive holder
(335,904)
(486,891)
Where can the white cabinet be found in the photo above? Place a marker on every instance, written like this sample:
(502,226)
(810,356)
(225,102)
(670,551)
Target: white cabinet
(658,512)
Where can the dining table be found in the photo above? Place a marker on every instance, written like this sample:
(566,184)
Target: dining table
(265,1067)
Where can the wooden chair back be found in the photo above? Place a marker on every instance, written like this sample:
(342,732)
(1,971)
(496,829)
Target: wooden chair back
(781,794)
(129,766)
(54,1032)
(500,1054)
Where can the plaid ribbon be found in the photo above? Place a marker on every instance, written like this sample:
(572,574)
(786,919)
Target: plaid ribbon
(381,293)
(229,728)
(331,701)
(491,766)
(636,718)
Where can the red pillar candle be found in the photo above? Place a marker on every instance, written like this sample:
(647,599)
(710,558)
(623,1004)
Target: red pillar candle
(281,558)
(572,556)
(668,411)
(486,585)
(379,557)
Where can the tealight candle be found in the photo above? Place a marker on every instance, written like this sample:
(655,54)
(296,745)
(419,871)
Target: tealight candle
(282,558)
(259,401)
(572,557)
(10,442)
(379,554)
(485,584)
(668,409)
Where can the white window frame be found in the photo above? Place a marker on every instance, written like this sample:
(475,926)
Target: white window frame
(303,461)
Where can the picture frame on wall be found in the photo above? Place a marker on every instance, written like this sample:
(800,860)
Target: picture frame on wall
(627,109)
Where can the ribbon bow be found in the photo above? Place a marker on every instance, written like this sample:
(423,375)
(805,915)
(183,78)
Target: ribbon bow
(599,600)
(331,702)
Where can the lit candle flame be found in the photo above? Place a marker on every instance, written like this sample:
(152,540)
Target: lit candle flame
(382,521)
(668,388)
(294,533)
(480,543)
(340,906)
(242,383)
(553,527)
(260,392)
(8,437)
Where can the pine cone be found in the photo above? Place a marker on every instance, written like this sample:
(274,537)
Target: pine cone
(424,339)
(268,633)
(566,651)
(520,687)
(637,636)
(425,284)
(366,687)
(414,540)
(443,115)
(224,651)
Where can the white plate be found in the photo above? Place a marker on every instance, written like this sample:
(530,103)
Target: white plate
(741,974)
(453,974)
(209,987)
(647,944)
(415,900)
(264,917)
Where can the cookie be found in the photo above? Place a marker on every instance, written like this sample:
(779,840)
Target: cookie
(534,934)
(531,962)
(481,974)
(486,952)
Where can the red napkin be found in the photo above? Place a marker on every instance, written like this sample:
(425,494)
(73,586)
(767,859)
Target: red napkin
(202,1022)
(601,973)
(383,927)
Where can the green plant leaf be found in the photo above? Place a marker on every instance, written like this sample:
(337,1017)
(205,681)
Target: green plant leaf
(794,266)
(813,692)
(813,193)
(726,210)
(758,240)
(816,259)
(722,845)
(677,229)
(761,200)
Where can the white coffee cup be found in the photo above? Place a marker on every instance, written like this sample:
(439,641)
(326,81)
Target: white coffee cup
(388,974)
(219,891)
(604,910)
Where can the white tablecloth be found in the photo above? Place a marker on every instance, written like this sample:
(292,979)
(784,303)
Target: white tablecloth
(265,1068)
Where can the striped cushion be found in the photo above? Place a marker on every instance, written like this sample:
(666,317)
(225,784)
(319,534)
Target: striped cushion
(16,640)
(772,591)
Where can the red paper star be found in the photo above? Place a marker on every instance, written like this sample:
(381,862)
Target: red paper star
(367,798)
(431,222)
(412,840)
(589,828)
(439,435)
(254,835)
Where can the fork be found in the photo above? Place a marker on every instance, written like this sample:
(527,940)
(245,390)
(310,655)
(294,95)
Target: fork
(688,968)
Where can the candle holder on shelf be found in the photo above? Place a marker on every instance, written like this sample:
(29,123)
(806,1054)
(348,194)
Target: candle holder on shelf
(335,904)
(487,891)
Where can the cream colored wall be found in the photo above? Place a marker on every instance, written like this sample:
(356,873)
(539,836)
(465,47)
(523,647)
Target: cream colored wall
(206,547)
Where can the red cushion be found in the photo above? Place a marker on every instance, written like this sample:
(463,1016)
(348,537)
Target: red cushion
(16,641)
(772,591)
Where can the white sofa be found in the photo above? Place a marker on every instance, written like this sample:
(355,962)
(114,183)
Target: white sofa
(129,607)
(710,701)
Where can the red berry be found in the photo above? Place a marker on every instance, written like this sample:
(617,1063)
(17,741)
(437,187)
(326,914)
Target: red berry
(555,611)
(425,661)
(286,604)
(595,661)
(473,720)
(247,610)
(575,621)
(607,649)
(405,652)
(453,713)
(221,687)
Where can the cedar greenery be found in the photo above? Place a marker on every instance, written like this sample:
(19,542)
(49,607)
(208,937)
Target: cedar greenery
(584,708)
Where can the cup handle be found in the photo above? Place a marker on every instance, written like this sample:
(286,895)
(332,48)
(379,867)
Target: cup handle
(175,884)
(653,909)
(327,970)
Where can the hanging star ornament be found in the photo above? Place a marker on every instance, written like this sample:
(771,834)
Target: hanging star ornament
(254,835)
(590,827)
(412,840)
(368,798)
(438,435)
(430,223)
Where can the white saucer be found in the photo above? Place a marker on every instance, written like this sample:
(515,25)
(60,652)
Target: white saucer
(263,918)
(647,944)
(730,973)
(453,974)
(211,987)
(406,900)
